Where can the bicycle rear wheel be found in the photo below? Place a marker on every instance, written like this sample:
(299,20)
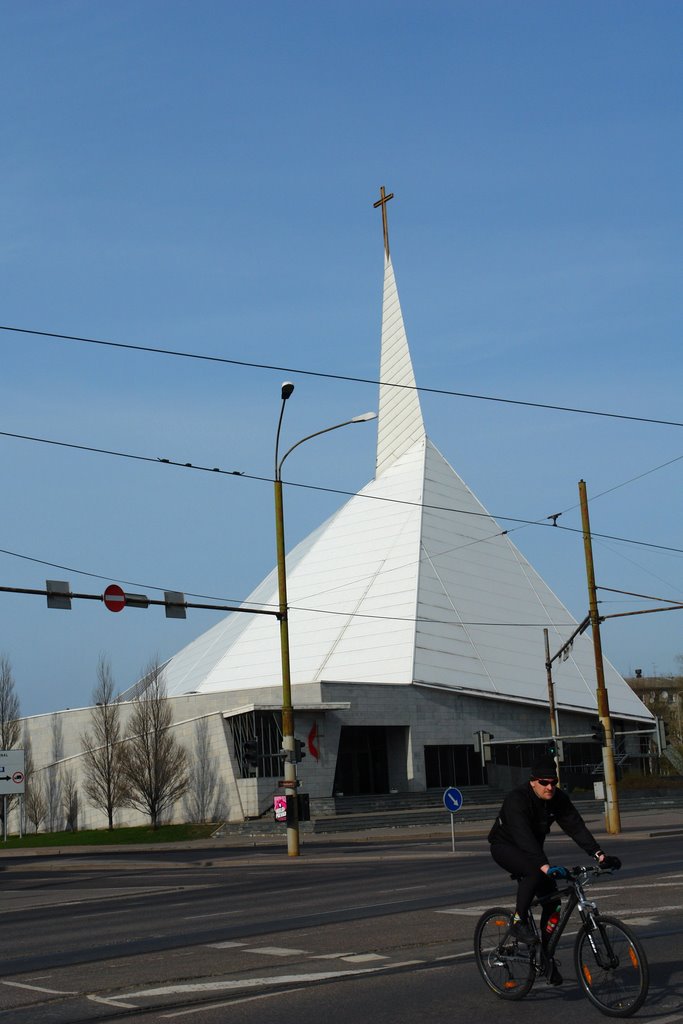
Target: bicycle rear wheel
(505,967)
(612,967)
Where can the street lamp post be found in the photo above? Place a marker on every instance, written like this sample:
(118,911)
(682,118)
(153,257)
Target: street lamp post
(288,744)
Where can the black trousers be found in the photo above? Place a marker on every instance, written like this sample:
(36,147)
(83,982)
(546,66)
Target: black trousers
(531,881)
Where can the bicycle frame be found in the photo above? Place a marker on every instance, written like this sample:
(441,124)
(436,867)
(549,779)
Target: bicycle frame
(573,896)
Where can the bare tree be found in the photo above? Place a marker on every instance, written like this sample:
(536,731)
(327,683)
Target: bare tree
(10,730)
(104,781)
(70,800)
(35,802)
(154,763)
(200,798)
(53,791)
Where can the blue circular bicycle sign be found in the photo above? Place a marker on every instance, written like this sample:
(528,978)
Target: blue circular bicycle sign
(452,799)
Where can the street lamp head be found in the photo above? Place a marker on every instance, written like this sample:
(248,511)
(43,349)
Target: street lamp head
(286,391)
(364,417)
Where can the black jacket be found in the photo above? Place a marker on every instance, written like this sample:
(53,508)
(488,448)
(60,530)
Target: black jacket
(524,821)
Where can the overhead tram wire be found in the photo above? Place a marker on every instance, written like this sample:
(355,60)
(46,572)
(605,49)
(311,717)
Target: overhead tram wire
(177,353)
(333,490)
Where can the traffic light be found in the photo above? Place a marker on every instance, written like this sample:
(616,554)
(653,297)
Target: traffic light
(598,732)
(250,753)
(551,748)
(299,752)
(482,745)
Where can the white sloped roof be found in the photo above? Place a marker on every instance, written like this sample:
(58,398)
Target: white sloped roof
(410,581)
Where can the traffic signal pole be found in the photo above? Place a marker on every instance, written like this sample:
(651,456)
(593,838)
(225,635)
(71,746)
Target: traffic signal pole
(552,709)
(612,818)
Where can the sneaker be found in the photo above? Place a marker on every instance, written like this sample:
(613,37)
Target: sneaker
(553,976)
(521,931)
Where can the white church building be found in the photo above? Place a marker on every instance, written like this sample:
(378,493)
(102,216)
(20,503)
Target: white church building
(432,631)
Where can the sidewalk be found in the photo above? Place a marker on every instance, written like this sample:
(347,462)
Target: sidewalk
(637,822)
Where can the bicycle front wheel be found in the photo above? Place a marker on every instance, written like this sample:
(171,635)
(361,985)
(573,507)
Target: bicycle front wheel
(612,967)
(504,965)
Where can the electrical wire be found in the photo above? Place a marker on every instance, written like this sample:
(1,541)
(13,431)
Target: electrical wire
(338,376)
(335,490)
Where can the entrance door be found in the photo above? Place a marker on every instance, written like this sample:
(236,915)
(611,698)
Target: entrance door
(362,763)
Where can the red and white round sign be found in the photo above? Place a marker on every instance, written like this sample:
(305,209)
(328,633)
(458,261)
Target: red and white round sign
(18,777)
(114,598)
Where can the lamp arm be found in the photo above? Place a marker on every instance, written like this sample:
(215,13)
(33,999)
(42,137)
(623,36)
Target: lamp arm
(277,440)
(278,466)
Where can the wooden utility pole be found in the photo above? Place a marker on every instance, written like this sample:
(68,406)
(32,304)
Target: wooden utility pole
(612,818)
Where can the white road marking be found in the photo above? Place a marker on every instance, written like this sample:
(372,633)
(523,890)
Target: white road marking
(276,951)
(331,956)
(39,988)
(233,1002)
(246,983)
(224,945)
(468,911)
(252,999)
(113,1002)
(402,888)
(361,958)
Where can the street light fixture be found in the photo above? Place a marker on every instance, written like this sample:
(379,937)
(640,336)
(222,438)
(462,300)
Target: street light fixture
(288,744)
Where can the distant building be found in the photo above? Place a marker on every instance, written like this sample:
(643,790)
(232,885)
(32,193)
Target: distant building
(663,696)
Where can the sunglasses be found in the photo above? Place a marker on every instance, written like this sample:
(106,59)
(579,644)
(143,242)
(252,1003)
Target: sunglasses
(547,782)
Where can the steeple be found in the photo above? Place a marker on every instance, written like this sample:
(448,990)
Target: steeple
(400,422)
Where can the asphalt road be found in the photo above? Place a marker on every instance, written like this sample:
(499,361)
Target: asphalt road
(378,931)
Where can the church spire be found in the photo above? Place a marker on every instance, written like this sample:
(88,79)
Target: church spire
(400,418)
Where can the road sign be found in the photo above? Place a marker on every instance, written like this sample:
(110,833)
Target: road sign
(114,598)
(452,799)
(12,779)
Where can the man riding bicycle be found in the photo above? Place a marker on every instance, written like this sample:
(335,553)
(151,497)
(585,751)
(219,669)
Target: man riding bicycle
(517,839)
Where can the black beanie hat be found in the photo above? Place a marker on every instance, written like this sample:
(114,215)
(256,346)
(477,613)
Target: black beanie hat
(543,768)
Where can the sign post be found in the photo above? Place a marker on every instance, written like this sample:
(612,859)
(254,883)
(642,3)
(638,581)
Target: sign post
(452,801)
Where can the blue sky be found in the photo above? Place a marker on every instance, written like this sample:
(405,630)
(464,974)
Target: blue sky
(200,177)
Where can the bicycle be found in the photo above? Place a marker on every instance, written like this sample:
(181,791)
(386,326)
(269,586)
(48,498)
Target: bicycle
(609,959)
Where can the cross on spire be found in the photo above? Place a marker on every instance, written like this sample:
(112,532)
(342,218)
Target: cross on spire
(382,201)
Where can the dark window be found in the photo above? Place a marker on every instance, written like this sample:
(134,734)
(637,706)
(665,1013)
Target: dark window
(455,765)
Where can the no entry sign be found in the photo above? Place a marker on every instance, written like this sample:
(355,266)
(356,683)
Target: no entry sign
(114,598)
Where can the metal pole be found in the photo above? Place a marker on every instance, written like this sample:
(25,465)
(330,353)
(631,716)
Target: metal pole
(552,710)
(4,819)
(287,709)
(612,818)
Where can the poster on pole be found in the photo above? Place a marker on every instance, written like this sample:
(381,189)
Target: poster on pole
(12,777)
